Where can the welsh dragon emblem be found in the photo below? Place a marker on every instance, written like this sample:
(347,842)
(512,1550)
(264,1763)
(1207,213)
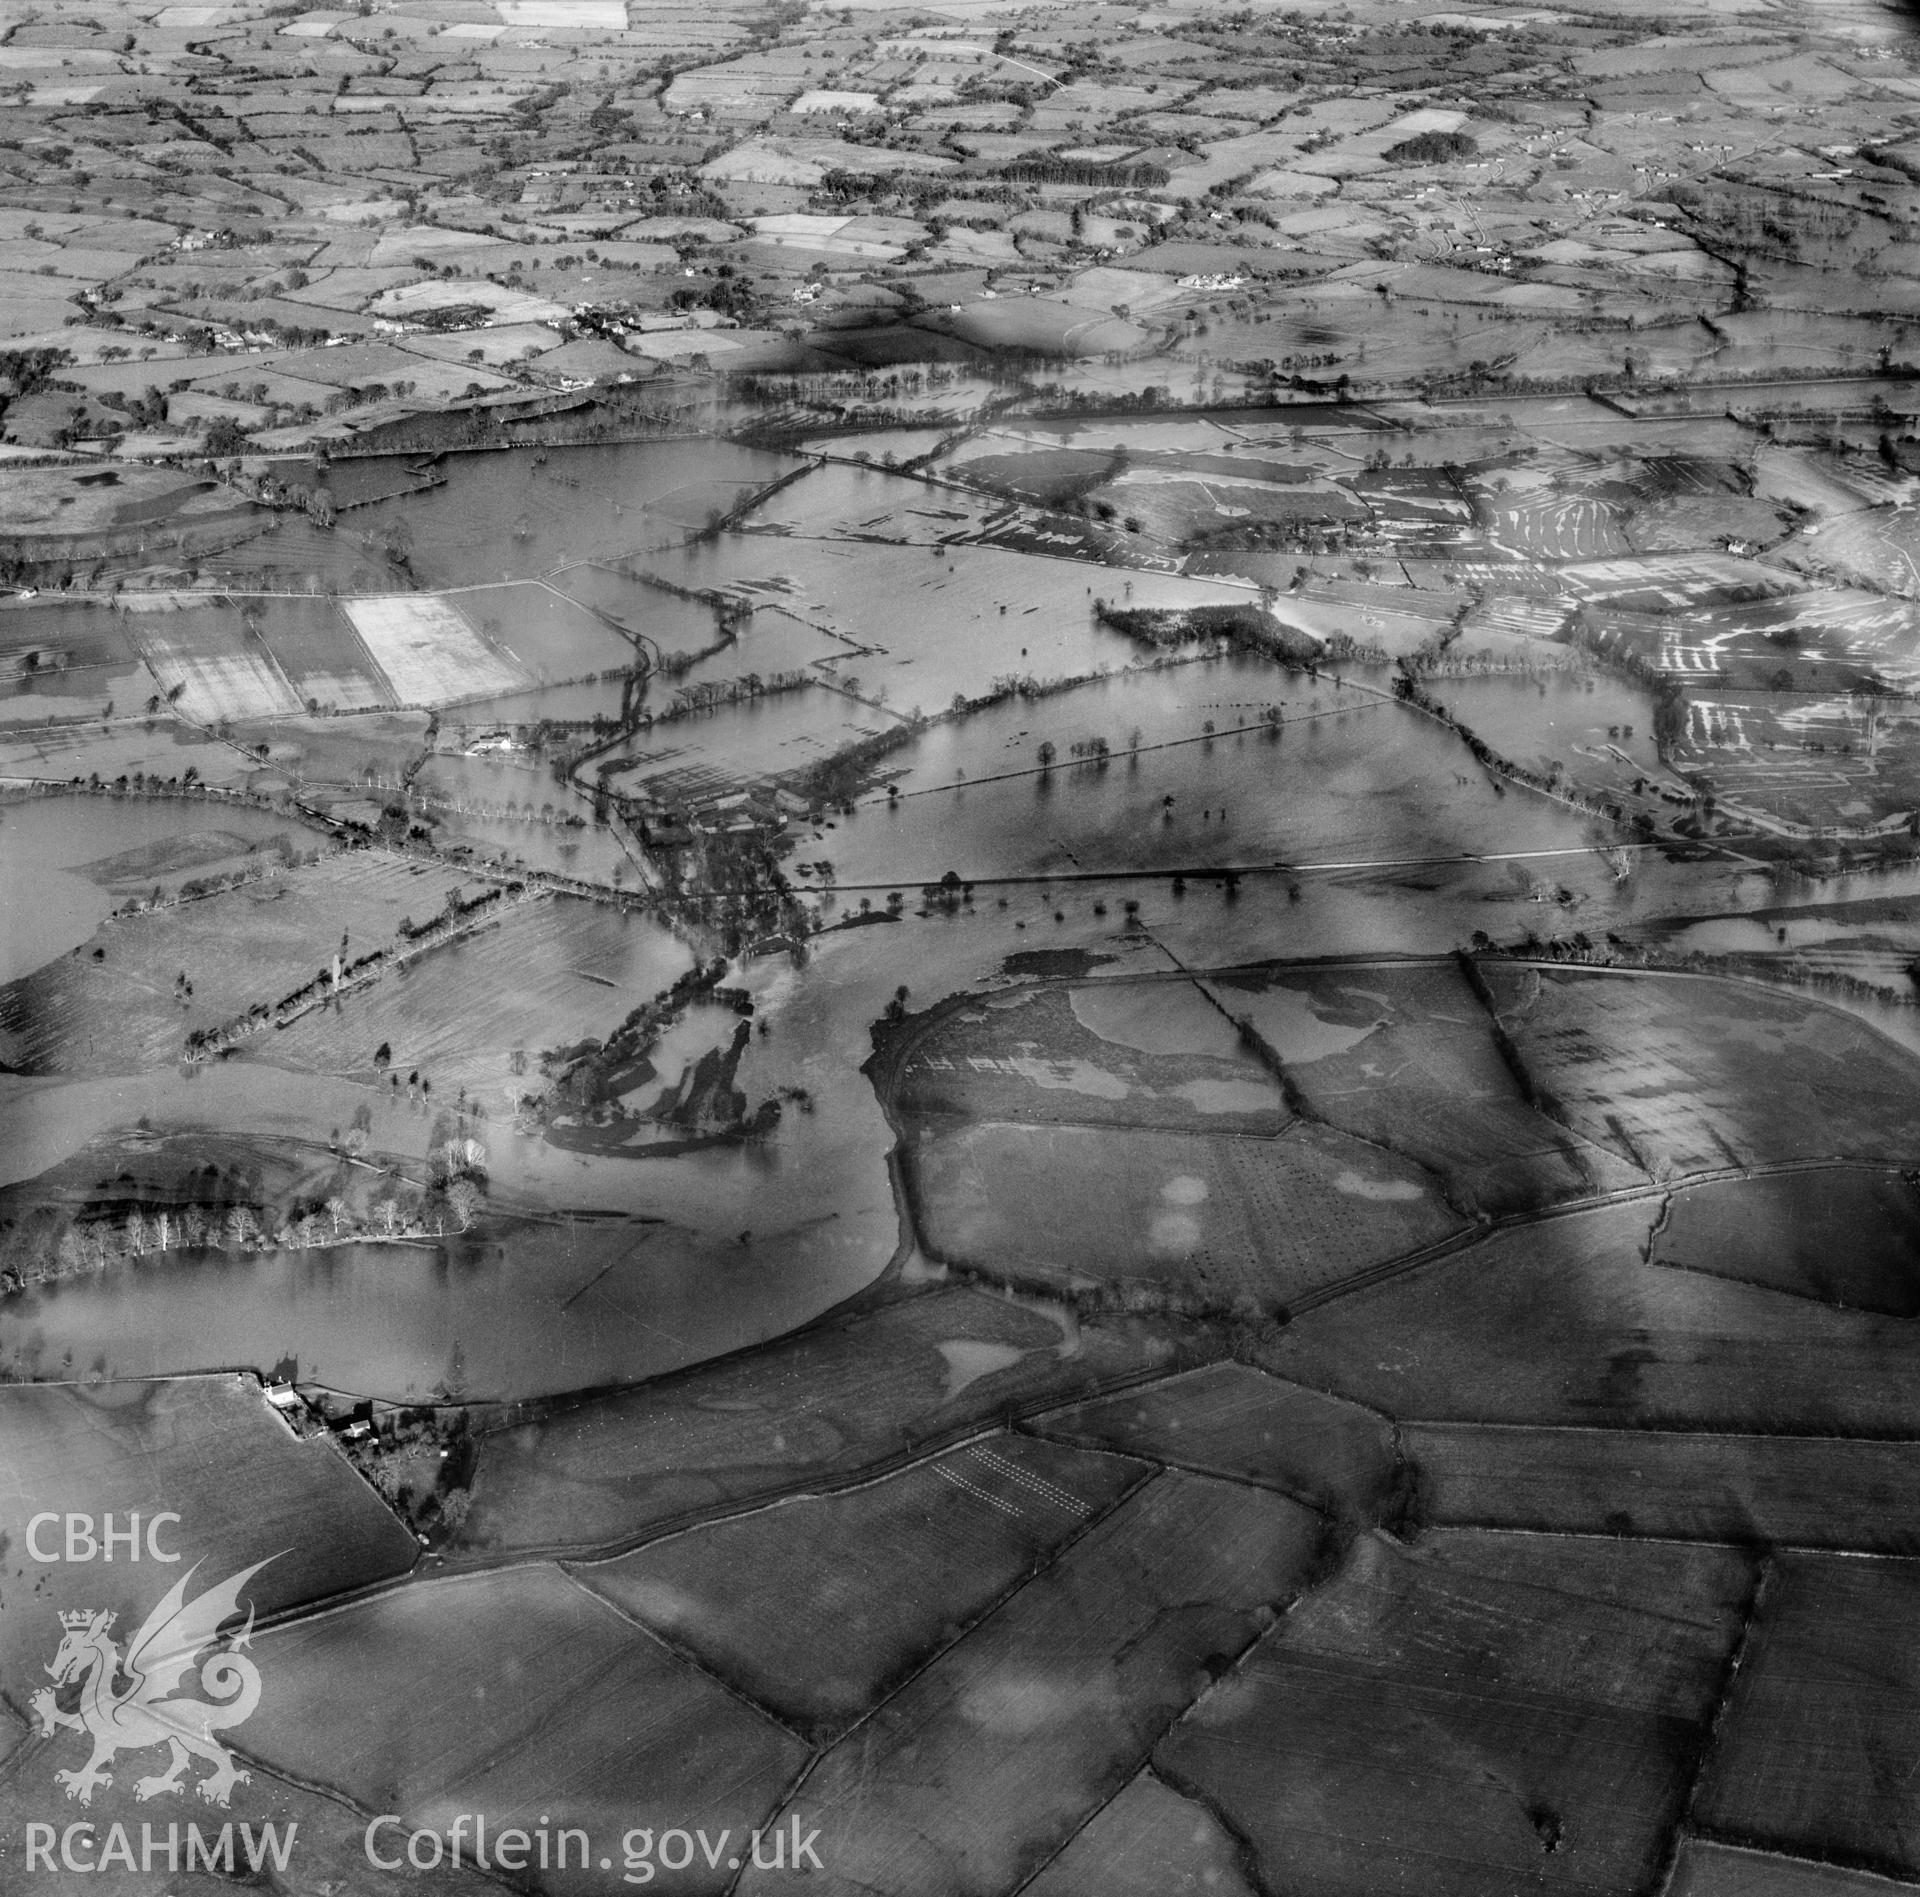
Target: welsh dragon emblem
(137,1715)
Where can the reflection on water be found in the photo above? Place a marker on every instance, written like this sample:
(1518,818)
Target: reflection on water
(388,1318)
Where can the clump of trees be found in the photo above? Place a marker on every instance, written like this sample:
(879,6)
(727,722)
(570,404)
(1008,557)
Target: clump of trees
(1245,628)
(1431,148)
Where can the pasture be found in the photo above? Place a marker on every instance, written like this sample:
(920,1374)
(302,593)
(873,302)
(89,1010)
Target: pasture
(821,1605)
(1174,1220)
(995,1755)
(1479,1712)
(210,1451)
(852,1392)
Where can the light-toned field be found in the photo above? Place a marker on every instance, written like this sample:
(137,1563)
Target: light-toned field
(1560,527)
(1193,1220)
(603,16)
(431,656)
(220,669)
(1148,1054)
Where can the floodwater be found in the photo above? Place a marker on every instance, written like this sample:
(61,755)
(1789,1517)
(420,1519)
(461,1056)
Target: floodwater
(1373,784)
(533,1315)
(1161,705)
(1538,721)
(65,862)
(727,1247)
(511,515)
(936,622)
(748,1241)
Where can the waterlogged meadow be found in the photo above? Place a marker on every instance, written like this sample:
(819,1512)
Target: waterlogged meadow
(1353,780)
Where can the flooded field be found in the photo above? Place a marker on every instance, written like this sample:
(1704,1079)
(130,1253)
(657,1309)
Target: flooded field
(936,622)
(1370,784)
(1598,727)
(68,862)
(60,662)
(511,515)
(552,1310)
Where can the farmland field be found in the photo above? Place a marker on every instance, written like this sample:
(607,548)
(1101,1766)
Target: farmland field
(951,1536)
(67,861)
(1389,1052)
(1048,1707)
(1704,1869)
(215,661)
(1368,781)
(1566,1324)
(665,620)
(931,620)
(1154,1054)
(318,654)
(1825,1696)
(1232,1421)
(1600,730)
(429,654)
(1475,1713)
(1705,1486)
(1781,1232)
(67,661)
(568,973)
(1167,704)
(1689,1075)
(874,1386)
(212,1451)
(646,1736)
(287,921)
(1149,1842)
(1211,1220)
(546,633)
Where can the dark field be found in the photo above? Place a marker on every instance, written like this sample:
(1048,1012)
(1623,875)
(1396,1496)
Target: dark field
(1477,1714)
(953,1536)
